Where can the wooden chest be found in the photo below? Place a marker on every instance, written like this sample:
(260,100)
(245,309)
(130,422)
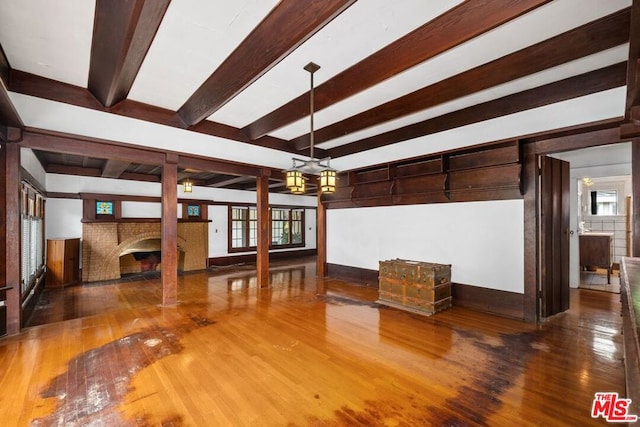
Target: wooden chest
(421,287)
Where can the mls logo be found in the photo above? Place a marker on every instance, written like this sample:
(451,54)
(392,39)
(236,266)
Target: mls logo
(612,408)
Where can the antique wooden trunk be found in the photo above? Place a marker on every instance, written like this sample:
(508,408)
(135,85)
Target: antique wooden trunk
(421,287)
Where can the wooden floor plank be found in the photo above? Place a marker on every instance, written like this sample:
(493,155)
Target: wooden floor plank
(306,351)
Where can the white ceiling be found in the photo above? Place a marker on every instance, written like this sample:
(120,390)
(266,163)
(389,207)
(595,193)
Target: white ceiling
(52,38)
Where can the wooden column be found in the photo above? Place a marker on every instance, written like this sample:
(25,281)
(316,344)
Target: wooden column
(170,230)
(529,185)
(264,223)
(321,241)
(635,177)
(11,155)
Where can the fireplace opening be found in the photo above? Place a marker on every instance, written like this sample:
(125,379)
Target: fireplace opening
(141,257)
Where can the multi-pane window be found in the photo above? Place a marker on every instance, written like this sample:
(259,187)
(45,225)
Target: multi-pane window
(287,227)
(32,257)
(244,227)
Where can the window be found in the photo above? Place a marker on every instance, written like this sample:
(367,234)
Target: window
(32,214)
(287,228)
(193,210)
(604,202)
(244,228)
(104,207)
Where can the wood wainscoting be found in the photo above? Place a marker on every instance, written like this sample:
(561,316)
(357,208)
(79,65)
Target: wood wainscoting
(223,261)
(503,303)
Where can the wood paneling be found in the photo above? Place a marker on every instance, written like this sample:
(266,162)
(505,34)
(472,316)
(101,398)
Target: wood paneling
(360,276)
(493,301)
(291,256)
(554,235)
(63,262)
(289,24)
(122,35)
(490,172)
(450,29)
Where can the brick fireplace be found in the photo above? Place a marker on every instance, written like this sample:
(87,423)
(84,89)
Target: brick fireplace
(108,247)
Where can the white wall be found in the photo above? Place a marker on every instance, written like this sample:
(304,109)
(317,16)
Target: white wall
(483,241)
(64,216)
(31,164)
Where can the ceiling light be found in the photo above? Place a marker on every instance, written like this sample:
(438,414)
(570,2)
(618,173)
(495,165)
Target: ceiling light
(311,166)
(187,186)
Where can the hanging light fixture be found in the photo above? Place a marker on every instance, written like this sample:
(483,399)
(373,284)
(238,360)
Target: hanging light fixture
(187,186)
(320,167)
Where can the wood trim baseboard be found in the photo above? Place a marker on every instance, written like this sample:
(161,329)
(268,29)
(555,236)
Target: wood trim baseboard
(251,258)
(360,276)
(494,301)
(503,303)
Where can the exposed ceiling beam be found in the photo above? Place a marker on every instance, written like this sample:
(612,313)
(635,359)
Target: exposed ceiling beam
(224,180)
(56,142)
(41,87)
(588,39)
(122,34)
(9,117)
(462,23)
(633,63)
(631,129)
(72,170)
(287,26)
(114,168)
(572,87)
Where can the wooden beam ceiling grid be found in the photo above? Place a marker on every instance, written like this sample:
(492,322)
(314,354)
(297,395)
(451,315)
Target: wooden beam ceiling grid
(585,84)
(122,35)
(462,23)
(588,39)
(286,27)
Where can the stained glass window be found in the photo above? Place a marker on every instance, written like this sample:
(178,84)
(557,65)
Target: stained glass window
(193,210)
(104,208)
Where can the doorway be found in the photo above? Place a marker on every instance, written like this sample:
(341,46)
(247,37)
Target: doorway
(600,204)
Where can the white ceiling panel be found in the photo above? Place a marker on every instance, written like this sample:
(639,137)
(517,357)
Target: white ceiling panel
(358,32)
(520,33)
(51,39)
(194,38)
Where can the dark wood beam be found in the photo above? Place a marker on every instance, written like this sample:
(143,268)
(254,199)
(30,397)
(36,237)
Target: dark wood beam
(169,230)
(462,23)
(114,168)
(5,68)
(72,170)
(38,139)
(321,244)
(286,27)
(40,87)
(588,39)
(635,177)
(633,62)
(219,166)
(122,34)
(264,226)
(9,116)
(224,180)
(585,84)
(12,221)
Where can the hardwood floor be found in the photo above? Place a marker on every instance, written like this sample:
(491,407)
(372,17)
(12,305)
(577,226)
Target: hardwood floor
(303,352)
